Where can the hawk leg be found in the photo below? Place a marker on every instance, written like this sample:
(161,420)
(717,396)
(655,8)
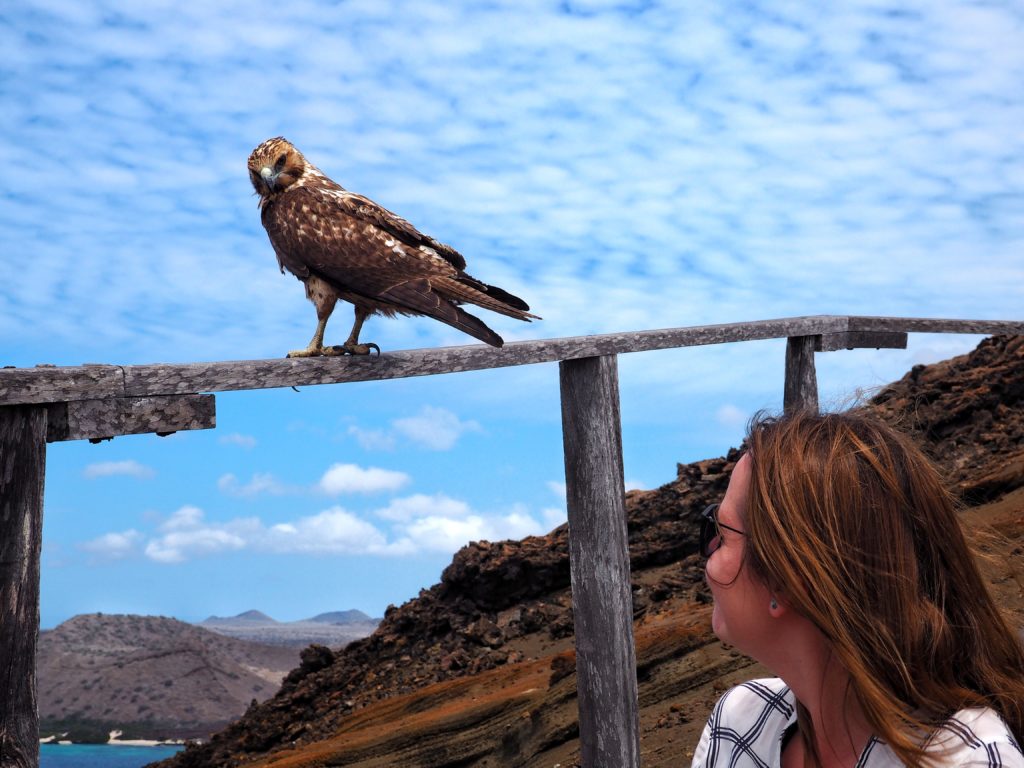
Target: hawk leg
(324,298)
(316,348)
(352,345)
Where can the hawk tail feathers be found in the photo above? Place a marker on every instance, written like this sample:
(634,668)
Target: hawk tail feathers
(461,289)
(474,326)
(418,297)
(494,292)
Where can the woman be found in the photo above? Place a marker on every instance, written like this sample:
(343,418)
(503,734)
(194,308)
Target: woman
(836,559)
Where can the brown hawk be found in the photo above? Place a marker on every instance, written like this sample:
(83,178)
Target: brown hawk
(345,246)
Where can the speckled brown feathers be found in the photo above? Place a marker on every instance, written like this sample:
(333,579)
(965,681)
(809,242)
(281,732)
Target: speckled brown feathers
(343,245)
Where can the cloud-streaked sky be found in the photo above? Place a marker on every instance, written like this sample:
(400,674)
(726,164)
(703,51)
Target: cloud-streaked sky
(621,165)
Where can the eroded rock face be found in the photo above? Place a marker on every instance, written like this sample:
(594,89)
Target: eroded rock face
(494,576)
(968,411)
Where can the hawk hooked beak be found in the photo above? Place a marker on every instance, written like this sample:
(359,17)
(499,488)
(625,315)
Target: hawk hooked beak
(269,177)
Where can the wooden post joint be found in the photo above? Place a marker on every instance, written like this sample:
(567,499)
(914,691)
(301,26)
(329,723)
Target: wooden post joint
(97,420)
(830,342)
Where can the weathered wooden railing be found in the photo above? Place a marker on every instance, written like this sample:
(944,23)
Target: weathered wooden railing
(49,404)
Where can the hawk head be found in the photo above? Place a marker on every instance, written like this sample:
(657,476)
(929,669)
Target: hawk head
(274,166)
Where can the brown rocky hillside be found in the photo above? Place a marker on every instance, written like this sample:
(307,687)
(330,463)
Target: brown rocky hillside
(479,669)
(150,676)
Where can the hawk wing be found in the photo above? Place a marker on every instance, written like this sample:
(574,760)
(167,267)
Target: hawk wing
(491,297)
(369,253)
(365,209)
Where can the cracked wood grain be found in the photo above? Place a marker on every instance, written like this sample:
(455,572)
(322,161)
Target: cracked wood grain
(103,419)
(22,471)
(602,602)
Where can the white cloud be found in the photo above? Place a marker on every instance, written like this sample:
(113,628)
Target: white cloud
(333,531)
(421,506)
(516,524)
(114,546)
(447,534)
(187,534)
(632,484)
(178,546)
(435,428)
(260,483)
(372,439)
(553,517)
(413,524)
(350,478)
(444,534)
(557,487)
(729,415)
(185,518)
(242,441)
(128,468)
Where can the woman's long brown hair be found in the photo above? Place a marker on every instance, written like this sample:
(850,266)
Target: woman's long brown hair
(851,522)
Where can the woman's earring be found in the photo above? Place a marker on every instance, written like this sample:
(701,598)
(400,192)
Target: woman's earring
(775,604)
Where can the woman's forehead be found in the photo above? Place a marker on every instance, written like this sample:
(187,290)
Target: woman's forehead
(735,502)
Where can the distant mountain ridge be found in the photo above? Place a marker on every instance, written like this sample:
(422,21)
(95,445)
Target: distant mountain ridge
(333,629)
(342,617)
(247,617)
(258,617)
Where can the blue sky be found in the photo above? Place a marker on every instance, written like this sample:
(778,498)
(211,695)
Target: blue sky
(622,166)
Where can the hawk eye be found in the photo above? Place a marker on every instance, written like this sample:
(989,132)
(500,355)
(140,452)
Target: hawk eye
(280,162)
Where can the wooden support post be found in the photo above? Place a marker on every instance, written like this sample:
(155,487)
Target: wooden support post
(599,564)
(22,472)
(801,389)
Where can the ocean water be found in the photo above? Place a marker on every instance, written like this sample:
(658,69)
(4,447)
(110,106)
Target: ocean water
(100,755)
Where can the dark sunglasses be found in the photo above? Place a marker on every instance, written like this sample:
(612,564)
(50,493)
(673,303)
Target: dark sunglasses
(710,531)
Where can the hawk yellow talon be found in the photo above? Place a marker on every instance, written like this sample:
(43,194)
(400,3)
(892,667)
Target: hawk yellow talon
(360,349)
(307,352)
(337,350)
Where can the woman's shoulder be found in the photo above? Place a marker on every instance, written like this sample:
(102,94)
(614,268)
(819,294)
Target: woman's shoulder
(765,696)
(746,726)
(977,736)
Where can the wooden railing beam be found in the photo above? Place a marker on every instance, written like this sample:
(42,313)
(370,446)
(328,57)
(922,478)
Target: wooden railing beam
(48,384)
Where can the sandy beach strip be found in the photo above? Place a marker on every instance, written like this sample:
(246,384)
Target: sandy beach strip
(116,741)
